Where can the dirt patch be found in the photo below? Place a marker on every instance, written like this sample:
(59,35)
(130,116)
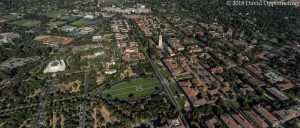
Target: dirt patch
(35,93)
(2,124)
(128,72)
(23,124)
(62,121)
(72,86)
(54,120)
(100,79)
(94,115)
(106,115)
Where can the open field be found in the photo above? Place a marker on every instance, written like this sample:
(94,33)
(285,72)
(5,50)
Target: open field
(57,13)
(177,92)
(62,121)
(175,89)
(181,100)
(53,120)
(54,40)
(56,23)
(81,22)
(165,73)
(139,88)
(70,87)
(26,23)
(10,17)
(69,18)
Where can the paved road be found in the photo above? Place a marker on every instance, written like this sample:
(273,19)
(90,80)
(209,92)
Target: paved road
(83,104)
(40,118)
(165,85)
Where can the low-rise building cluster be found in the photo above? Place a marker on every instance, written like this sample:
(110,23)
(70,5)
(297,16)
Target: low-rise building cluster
(130,49)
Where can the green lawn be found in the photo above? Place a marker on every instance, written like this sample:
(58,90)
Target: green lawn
(27,23)
(174,88)
(181,101)
(81,22)
(10,17)
(56,23)
(57,13)
(165,73)
(70,18)
(139,88)
(56,39)
(180,97)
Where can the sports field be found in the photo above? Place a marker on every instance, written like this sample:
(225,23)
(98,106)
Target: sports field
(56,23)
(57,13)
(54,39)
(27,23)
(10,17)
(139,88)
(69,18)
(81,22)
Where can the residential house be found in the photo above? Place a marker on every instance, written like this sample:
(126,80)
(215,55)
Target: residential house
(241,120)
(271,120)
(288,114)
(228,121)
(276,93)
(255,119)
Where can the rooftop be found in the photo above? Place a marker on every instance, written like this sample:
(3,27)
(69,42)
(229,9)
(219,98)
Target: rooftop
(211,122)
(241,120)
(229,121)
(288,114)
(255,119)
(267,115)
(278,94)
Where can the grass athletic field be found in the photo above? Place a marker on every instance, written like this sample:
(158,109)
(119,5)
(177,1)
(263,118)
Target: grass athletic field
(139,88)
(27,23)
(56,23)
(81,22)
(57,13)
(56,39)
(69,18)
(10,17)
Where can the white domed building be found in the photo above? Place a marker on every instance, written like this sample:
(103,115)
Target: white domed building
(55,66)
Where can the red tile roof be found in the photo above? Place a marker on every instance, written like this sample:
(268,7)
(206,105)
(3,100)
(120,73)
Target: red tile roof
(285,85)
(229,121)
(186,83)
(267,115)
(211,122)
(254,118)
(278,94)
(198,102)
(217,69)
(241,120)
(190,92)
(288,114)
